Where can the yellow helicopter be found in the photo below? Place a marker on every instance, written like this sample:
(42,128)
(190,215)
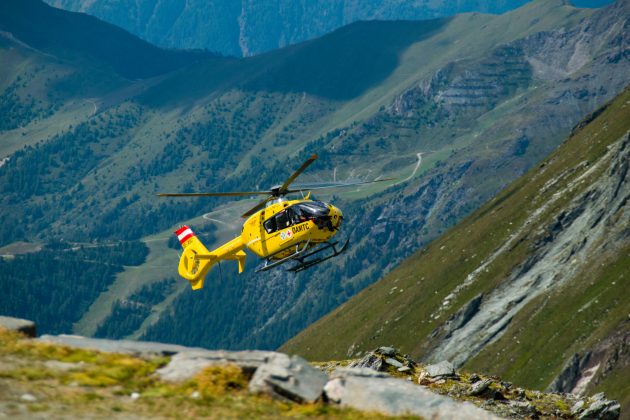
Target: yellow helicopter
(276,229)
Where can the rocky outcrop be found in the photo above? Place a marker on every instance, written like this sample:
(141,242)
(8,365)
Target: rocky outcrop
(23,326)
(593,365)
(352,387)
(383,381)
(291,378)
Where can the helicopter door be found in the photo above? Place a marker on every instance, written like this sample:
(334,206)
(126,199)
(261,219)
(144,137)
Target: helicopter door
(277,222)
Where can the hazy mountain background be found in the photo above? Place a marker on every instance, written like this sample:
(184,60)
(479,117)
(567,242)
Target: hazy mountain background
(244,28)
(96,121)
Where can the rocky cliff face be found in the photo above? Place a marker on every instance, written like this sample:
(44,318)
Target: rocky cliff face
(591,226)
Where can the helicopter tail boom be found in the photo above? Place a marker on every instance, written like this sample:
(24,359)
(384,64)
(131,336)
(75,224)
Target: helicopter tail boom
(196,260)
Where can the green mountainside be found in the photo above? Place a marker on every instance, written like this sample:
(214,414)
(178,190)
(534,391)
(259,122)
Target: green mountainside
(454,109)
(532,286)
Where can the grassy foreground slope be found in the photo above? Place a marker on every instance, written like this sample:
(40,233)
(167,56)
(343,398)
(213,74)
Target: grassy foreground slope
(444,288)
(44,380)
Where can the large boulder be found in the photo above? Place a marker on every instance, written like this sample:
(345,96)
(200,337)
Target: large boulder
(358,389)
(186,364)
(444,369)
(289,378)
(23,326)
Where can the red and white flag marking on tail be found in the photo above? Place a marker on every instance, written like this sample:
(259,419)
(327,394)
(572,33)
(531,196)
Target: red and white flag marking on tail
(184,233)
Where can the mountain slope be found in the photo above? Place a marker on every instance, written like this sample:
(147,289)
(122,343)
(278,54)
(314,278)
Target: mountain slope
(249,27)
(521,285)
(462,106)
(71,34)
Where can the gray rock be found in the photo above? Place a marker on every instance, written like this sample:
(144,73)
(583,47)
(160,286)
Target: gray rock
(386,351)
(186,364)
(370,360)
(28,398)
(404,369)
(138,348)
(577,407)
(602,409)
(358,372)
(523,408)
(479,387)
(393,362)
(442,369)
(23,326)
(294,379)
(396,397)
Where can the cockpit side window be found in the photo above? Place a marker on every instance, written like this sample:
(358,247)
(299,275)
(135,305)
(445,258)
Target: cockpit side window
(270,225)
(283,220)
(279,221)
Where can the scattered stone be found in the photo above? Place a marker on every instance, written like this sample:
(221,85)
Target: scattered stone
(577,407)
(195,395)
(386,351)
(294,379)
(186,364)
(393,396)
(358,372)
(601,409)
(523,408)
(393,362)
(404,369)
(370,360)
(474,378)
(479,387)
(28,398)
(134,395)
(23,326)
(442,369)
(422,377)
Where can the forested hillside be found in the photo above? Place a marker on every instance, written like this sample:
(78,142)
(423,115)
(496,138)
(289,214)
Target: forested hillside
(455,109)
(56,285)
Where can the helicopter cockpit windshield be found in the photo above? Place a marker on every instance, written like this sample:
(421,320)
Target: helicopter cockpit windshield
(298,213)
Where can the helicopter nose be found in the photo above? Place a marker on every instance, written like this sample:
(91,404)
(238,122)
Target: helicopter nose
(335,216)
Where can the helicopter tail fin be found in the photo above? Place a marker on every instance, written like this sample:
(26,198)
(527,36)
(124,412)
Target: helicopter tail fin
(196,260)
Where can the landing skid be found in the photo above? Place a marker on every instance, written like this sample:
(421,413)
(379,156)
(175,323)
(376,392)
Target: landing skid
(302,256)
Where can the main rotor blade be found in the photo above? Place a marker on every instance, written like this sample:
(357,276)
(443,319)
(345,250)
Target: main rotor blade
(216,194)
(261,205)
(284,188)
(329,187)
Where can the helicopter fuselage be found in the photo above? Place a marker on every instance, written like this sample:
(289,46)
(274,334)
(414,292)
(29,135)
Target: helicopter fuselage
(275,231)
